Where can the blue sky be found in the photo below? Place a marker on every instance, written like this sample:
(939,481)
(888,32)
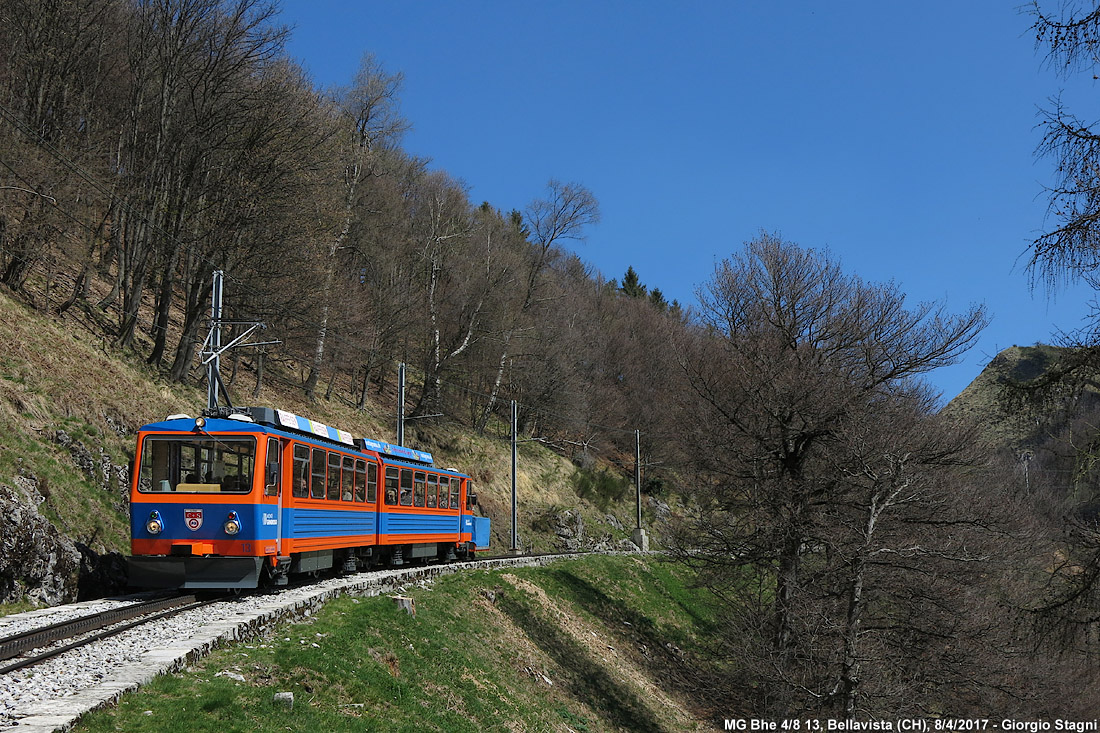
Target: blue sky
(900,136)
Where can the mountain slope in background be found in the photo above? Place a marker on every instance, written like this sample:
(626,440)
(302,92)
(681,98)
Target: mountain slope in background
(984,399)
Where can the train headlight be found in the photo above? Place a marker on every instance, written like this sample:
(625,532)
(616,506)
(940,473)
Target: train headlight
(232,524)
(155,525)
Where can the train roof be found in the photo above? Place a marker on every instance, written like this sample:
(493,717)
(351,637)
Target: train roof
(287,421)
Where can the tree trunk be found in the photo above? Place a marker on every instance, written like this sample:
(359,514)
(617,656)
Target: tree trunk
(137,255)
(351,182)
(164,309)
(319,347)
(259,375)
(849,674)
(361,401)
(79,290)
(19,266)
(487,413)
(332,378)
(112,253)
(197,297)
(786,586)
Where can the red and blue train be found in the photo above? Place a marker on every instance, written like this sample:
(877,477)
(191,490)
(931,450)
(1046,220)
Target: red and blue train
(240,498)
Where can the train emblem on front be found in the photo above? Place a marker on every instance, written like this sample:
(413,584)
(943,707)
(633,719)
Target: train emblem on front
(193,518)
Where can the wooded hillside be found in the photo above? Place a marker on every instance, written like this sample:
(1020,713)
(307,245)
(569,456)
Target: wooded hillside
(871,557)
(148,144)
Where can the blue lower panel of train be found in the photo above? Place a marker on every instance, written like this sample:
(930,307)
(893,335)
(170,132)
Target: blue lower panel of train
(414,524)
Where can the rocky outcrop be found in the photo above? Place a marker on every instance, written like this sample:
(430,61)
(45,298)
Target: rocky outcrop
(37,563)
(99,469)
(569,528)
(662,512)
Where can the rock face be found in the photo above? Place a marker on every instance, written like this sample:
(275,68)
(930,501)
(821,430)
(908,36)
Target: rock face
(100,470)
(37,563)
(569,527)
(662,512)
(573,536)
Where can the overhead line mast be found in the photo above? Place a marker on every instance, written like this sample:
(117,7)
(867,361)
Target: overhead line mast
(212,348)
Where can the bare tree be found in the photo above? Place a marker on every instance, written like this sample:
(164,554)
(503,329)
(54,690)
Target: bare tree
(368,110)
(440,228)
(1062,400)
(793,355)
(565,213)
(1071,40)
(59,68)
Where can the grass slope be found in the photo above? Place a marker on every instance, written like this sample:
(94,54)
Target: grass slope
(597,644)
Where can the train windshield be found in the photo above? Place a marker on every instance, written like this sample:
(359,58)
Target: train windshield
(196,465)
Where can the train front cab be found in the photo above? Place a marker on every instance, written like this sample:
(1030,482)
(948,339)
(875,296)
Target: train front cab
(204,505)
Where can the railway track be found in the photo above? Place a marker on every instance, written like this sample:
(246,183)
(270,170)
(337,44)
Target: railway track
(89,629)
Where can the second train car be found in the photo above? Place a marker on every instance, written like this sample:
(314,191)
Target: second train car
(245,497)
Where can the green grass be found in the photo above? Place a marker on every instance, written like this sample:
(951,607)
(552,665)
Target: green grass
(7,609)
(524,649)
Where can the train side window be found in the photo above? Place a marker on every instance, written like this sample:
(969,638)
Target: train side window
(391,486)
(273,474)
(406,487)
(334,476)
(372,482)
(418,482)
(360,480)
(317,482)
(433,490)
(346,477)
(444,488)
(300,481)
(456,485)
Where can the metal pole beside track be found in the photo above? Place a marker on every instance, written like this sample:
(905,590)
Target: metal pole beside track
(515,514)
(640,538)
(213,367)
(638,476)
(401,403)
(212,348)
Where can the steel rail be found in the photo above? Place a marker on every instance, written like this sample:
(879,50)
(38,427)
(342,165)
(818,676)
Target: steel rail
(17,644)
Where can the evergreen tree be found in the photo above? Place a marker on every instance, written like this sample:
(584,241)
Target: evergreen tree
(632,286)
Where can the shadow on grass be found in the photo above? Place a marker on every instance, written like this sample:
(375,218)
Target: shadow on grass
(665,662)
(616,613)
(598,603)
(590,682)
